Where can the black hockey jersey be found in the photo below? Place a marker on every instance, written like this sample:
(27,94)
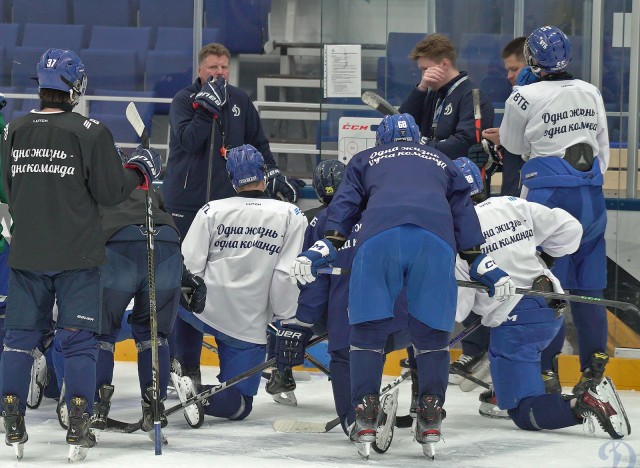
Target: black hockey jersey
(57,167)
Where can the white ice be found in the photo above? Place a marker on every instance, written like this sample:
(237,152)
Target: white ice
(470,440)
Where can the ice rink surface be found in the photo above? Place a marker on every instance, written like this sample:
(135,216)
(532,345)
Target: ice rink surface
(470,440)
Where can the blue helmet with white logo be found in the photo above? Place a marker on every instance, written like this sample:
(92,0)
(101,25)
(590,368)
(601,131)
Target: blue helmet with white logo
(548,49)
(245,165)
(471,173)
(397,127)
(327,177)
(62,70)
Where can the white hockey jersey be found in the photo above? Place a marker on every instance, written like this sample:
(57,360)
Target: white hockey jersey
(545,118)
(243,248)
(513,228)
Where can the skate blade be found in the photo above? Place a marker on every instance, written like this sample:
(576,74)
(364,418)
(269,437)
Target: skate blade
(151,436)
(77,453)
(364,449)
(191,412)
(429,449)
(481,373)
(489,410)
(19,450)
(285,398)
(619,421)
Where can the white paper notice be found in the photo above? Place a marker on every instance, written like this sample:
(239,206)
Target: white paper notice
(342,71)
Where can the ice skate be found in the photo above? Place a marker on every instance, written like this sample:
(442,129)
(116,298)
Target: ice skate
(386,422)
(101,409)
(281,386)
(15,430)
(185,388)
(146,423)
(480,370)
(79,437)
(363,430)
(428,423)
(39,380)
(592,376)
(176,369)
(489,406)
(602,404)
(470,365)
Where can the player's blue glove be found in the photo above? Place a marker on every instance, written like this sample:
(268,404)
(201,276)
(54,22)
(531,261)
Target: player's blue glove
(485,271)
(148,162)
(197,298)
(213,95)
(526,76)
(291,340)
(305,268)
(283,187)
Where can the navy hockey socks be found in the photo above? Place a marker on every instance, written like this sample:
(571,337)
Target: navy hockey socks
(80,353)
(547,411)
(590,321)
(366,373)
(16,363)
(144,370)
(341,386)
(229,404)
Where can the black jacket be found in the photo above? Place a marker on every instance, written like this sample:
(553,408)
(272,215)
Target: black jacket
(56,169)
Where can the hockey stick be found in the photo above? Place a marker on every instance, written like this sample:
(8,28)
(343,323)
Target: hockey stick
(136,122)
(565,297)
(290,425)
(375,101)
(525,292)
(477,118)
(232,381)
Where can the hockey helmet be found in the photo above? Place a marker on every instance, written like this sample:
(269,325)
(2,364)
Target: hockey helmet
(471,173)
(62,70)
(548,49)
(397,127)
(245,165)
(327,177)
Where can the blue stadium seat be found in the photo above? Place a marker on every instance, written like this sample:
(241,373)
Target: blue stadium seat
(181,39)
(5,68)
(112,69)
(10,34)
(167,73)
(112,113)
(42,11)
(122,38)
(166,13)
(243,23)
(397,74)
(105,13)
(24,61)
(59,36)
(5,11)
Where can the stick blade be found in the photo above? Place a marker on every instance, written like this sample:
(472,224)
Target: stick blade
(477,114)
(133,116)
(293,426)
(375,101)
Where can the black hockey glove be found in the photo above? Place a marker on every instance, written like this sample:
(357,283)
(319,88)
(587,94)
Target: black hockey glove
(3,101)
(148,162)
(291,340)
(196,299)
(213,95)
(282,187)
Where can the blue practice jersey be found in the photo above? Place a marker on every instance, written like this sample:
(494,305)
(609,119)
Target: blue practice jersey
(405,183)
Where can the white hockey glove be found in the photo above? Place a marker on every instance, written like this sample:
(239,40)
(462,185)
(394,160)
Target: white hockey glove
(305,268)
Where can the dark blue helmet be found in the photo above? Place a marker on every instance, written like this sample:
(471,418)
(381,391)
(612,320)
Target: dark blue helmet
(397,127)
(548,49)
(471,174)
(245,165)
(62,70)
(327,177)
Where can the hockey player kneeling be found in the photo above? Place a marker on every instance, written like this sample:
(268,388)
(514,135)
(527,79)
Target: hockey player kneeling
(242,248)
(524,325)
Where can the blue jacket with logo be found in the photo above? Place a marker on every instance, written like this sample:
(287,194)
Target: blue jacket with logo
(455,132)
(185,180)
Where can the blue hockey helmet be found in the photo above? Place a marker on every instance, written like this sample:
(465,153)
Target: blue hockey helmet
(245,165)
(397,127)
(548,49)
(471,173)
(327,177)
(62,70)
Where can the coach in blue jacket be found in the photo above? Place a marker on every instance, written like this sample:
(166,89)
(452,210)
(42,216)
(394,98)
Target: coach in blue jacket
(185,186)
